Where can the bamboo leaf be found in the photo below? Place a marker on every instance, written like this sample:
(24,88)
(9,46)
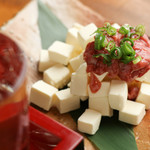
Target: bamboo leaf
(50,27)
(112,134)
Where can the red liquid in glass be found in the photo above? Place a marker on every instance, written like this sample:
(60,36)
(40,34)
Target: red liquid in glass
(13,100)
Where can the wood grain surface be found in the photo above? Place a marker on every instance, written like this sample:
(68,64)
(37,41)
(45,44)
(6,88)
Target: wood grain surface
(123,11)
(9,8)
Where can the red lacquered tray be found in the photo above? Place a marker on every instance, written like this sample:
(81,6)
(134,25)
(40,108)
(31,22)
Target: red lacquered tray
(69,139)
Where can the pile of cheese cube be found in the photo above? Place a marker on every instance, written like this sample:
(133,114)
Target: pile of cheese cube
(62,64)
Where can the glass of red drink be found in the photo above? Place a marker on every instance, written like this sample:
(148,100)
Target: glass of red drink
(14,121)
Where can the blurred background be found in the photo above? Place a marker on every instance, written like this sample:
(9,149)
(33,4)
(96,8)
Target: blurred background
(121,11)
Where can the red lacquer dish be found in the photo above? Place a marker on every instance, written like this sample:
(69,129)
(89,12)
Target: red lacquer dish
(49,134)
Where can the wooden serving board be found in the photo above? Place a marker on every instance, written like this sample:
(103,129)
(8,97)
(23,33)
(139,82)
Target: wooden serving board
(24,30)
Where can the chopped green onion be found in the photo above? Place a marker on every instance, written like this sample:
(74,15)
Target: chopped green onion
(140,29)
(97,41)
(110,46)
(127,49)
(127,26)
(106,58)
(127,39)
(100,30)
(137,59)
(116,53)
(125,29)
(106,24)
(127,59)
(100,41)
(131,27)
(136,33)
(105,42)
(129,34)
(125,52)
(111,31)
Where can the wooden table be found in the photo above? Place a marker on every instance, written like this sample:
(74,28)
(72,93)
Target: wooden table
(9,8)
(124,11)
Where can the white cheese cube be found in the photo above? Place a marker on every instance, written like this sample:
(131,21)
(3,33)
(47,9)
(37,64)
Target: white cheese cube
(76,62)
(83,98)
(76,53)
(60,52)
(99,101)
(66,102)
(102,92)
(101,104)
(42,94)
(144,95)
(79,84)
(77,26)
(118,94)
(45,61)
(72,38)
(89,121)
(58,76)
(116,25)
(145,77)
(69,84)
(132,113)
(85,35)
(82,69)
